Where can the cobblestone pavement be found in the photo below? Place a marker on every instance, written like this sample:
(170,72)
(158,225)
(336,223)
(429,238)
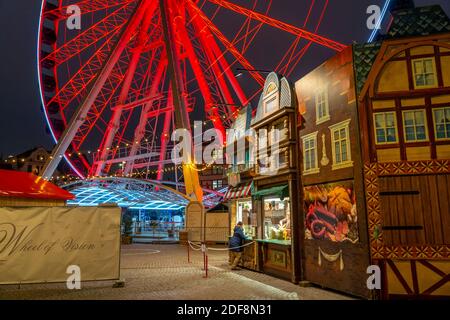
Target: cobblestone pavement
(161,272)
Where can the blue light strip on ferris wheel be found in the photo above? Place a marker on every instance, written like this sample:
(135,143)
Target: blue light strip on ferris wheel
(378,26)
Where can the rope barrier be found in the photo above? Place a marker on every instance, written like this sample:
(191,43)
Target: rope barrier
(199,248)
(226,249)
(204,248)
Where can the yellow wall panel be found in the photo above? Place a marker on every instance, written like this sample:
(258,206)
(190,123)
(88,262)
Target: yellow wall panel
(418,153)
(388,155)
(441,99)
(445,62)
(413,102)
(380,104)
(427,277)
(443,152)
(422,50)
(394,77)
(394,285)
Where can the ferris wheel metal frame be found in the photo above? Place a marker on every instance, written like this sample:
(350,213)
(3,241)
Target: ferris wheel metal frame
(137,70)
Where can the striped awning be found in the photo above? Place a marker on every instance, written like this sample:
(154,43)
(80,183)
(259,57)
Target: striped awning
(241,191)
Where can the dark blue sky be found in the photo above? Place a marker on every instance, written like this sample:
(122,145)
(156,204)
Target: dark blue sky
(22,124)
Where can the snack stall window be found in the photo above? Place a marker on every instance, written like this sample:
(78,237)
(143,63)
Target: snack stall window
(245,214)
(277,218)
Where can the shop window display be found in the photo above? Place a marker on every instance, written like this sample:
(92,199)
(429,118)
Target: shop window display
(277,219)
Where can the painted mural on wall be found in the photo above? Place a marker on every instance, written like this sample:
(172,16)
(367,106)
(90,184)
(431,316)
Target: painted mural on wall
(331,212)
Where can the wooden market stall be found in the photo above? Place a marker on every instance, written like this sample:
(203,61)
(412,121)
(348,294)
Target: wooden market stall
(276,197)
(336,253)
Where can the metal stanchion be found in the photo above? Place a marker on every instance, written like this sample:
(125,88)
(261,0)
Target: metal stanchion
(205,260)
(189,251)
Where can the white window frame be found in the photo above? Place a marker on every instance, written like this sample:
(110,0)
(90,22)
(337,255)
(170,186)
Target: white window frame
(435,124)
(433,62)
(338,127)
(271,95)
(427,138)
(315,169)
(326,117)
(385,128)
(216,182)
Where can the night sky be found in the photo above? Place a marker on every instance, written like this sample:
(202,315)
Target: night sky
(22,124)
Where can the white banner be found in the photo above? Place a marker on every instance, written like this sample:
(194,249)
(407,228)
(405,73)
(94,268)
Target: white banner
(39,244)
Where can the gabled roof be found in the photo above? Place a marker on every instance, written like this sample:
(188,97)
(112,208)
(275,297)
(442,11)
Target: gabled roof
(28,153)
(19,184)
(421,21)
(412,22)
(364,56)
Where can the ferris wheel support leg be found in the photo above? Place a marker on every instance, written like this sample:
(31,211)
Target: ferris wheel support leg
(80,114)
(114,123)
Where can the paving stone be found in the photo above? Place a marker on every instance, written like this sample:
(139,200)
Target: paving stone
(162,272)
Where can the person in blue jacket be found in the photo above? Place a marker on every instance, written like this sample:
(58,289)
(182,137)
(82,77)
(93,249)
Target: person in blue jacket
(235,245)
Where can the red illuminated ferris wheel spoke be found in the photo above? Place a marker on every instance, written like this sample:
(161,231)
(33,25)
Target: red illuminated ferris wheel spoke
(78,118)
(86,7)
(80,81)
(114,123)
(89,37)
(228,45)
(281,25)
(140,129)
(213,64)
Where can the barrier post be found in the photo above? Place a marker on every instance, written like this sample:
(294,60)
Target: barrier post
(206,265)
(189,251)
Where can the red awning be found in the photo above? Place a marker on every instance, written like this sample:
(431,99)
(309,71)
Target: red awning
(26,185)
(242,191)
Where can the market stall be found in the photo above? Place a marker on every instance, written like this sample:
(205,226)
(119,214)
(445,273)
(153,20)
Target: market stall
(275,196)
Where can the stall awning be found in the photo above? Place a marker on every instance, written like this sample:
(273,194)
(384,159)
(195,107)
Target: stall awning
(19,184)
(278,191)
(242,191)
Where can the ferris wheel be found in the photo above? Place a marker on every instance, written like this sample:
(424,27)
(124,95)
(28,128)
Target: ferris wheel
(114,88)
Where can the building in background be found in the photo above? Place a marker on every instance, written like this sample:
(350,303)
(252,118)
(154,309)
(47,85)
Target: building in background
(33,161)
(213,177)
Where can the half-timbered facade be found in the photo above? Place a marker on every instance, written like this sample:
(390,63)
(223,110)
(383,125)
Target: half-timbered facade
(404,110)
